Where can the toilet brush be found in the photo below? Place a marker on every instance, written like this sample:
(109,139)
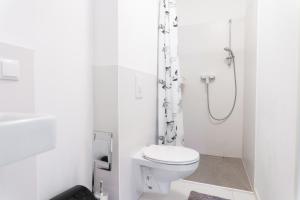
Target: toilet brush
(101,195)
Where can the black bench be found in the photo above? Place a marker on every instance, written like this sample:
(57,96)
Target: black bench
(75,193)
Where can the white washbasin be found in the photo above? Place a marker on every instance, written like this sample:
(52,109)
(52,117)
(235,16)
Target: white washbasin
(23,135)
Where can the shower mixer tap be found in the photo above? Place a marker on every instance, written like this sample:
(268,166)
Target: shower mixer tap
(207,79)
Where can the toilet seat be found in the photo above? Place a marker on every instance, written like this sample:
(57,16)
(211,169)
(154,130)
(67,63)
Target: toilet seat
(170,155)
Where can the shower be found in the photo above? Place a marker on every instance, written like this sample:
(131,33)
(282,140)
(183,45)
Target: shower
(230,60)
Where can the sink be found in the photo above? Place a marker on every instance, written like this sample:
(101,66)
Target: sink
(23,135)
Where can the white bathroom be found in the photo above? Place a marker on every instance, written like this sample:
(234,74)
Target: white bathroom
(149,99)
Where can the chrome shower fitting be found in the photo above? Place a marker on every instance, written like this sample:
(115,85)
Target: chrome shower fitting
(230,61)
(230,58)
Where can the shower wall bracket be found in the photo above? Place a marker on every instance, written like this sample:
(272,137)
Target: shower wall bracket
(207,79)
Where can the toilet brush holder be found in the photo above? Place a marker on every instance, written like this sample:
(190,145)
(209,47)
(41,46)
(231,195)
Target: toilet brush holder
(101,195)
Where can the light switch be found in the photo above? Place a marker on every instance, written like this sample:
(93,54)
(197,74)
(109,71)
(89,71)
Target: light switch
(10,69)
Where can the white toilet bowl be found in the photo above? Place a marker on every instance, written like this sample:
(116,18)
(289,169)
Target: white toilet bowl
(159,165)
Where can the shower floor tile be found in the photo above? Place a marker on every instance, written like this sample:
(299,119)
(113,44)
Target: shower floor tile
(221,171)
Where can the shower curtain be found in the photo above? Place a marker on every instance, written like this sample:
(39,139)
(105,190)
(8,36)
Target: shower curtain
(170,121)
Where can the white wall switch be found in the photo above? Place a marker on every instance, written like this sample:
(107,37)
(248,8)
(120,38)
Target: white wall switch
(10,69)
(138,87)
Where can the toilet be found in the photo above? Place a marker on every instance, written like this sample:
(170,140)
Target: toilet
(159,165)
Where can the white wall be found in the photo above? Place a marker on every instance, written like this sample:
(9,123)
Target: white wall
(18,96)
(105,60)
(277,100)
(195,12)
(105,36)
(17,22)
(106,120)
(137,125)
(133,122)
(137,25)
(202,38)
(137,28)
(298,136)
(59,32)
(135,33)
(250,88)
(63,87)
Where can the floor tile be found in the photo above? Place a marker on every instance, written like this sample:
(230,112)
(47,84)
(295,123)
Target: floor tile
(189,186)
(222,171)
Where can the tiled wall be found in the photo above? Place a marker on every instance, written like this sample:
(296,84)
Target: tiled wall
(202,40)
(132,122)
(137,124)
(106,120)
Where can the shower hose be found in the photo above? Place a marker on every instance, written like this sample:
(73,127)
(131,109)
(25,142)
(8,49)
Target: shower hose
(235,96)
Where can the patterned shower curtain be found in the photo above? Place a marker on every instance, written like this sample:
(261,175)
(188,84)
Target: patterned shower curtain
(170,122)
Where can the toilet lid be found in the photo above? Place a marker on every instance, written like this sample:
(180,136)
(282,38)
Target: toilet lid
(172,155)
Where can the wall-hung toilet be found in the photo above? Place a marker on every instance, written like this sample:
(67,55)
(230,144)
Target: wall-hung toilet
(158,165)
